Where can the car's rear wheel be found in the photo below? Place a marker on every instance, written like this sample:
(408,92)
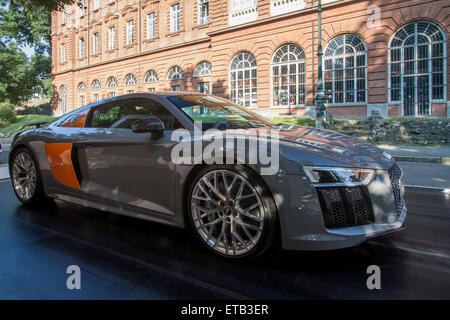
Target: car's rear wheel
(26,178)
(232,211)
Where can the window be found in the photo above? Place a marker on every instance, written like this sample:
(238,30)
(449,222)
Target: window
(203,11)
(96,4)
(95,43)
(151,76)
(81,87)
(210,111)
(151,89)
(203,69)
(63,53)
(96,97)
(130,80)
(238,5)
(82,8)
(130,91)
(82,102)
(112,38)
(175,18)
(121,114)
(417,63)
(130,32)
(176,88)
(81,52)
(345,68)
(243,11)
(176,73)
(289,76)
(243,80)
(282,6)
(151,25)
(96,85)
(111,83)
(63,99)
(64,17)
(112,94)
(204,87)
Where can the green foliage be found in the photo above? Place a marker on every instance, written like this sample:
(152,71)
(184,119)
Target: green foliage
(21,123)
(41,109)
(7,114)
(299,121)
(26,23)
(15,74)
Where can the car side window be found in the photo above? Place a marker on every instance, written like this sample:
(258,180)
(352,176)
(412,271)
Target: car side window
(121,114)
(106,115)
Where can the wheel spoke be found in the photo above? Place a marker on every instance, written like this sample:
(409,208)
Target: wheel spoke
(238,238)
(207,194)
(214,190)
(248,196)
(244,228)
(212,222)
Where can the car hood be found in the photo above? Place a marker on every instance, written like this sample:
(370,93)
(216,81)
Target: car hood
(329,148)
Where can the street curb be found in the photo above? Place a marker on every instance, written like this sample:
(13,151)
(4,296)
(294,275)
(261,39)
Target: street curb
(442,160)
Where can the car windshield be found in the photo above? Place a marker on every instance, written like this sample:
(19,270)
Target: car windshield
(218,113)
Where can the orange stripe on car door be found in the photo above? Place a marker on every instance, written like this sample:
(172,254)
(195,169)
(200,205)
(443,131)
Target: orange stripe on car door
(59,156)
(76,121)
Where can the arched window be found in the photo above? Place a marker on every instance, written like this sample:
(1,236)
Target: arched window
(112,82)
(130,80)
(63,99)
(151,76)
(243,80)
(417,68)
(289,76)
(96,85)
(203,69)
(345,70)
(176,73)
(81,87)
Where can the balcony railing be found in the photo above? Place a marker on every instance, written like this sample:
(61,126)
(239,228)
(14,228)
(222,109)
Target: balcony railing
(278,7)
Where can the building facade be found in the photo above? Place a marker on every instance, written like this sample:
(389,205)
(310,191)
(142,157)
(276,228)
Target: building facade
(386,55)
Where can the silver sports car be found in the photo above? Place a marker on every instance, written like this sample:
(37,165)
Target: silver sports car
(130,155)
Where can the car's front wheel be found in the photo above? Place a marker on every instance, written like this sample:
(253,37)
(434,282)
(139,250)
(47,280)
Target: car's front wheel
(232,211)
(26,178)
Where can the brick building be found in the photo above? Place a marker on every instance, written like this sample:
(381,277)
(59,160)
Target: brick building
(388,55)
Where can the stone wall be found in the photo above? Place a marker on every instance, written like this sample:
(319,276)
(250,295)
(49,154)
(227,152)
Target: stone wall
(408,131)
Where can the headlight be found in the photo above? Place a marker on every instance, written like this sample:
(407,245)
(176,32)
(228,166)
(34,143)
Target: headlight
(339,177)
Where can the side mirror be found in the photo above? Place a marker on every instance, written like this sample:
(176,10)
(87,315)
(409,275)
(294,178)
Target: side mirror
(148,124)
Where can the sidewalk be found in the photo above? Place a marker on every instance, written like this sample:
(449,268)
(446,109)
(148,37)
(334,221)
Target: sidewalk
(418,154)
(4,171)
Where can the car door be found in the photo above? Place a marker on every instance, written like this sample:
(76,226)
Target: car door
(123,168)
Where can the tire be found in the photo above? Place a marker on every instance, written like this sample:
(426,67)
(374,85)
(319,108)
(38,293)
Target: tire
(234,224)
(18,168)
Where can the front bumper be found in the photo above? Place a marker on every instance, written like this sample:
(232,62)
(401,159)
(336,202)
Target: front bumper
(302,220)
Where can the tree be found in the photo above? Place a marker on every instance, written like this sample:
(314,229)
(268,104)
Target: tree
(31,6)
(26,22)
(15,74)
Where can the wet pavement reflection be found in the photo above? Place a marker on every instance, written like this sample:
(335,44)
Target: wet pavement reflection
(125,258)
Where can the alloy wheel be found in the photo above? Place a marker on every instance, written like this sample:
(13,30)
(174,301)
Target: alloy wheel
(228,212)
(24,176)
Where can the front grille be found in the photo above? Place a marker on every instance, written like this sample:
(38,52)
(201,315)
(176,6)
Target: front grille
(344,207)
(395,174)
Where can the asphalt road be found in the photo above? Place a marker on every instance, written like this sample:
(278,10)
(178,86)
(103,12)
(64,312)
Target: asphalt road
(124,258)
